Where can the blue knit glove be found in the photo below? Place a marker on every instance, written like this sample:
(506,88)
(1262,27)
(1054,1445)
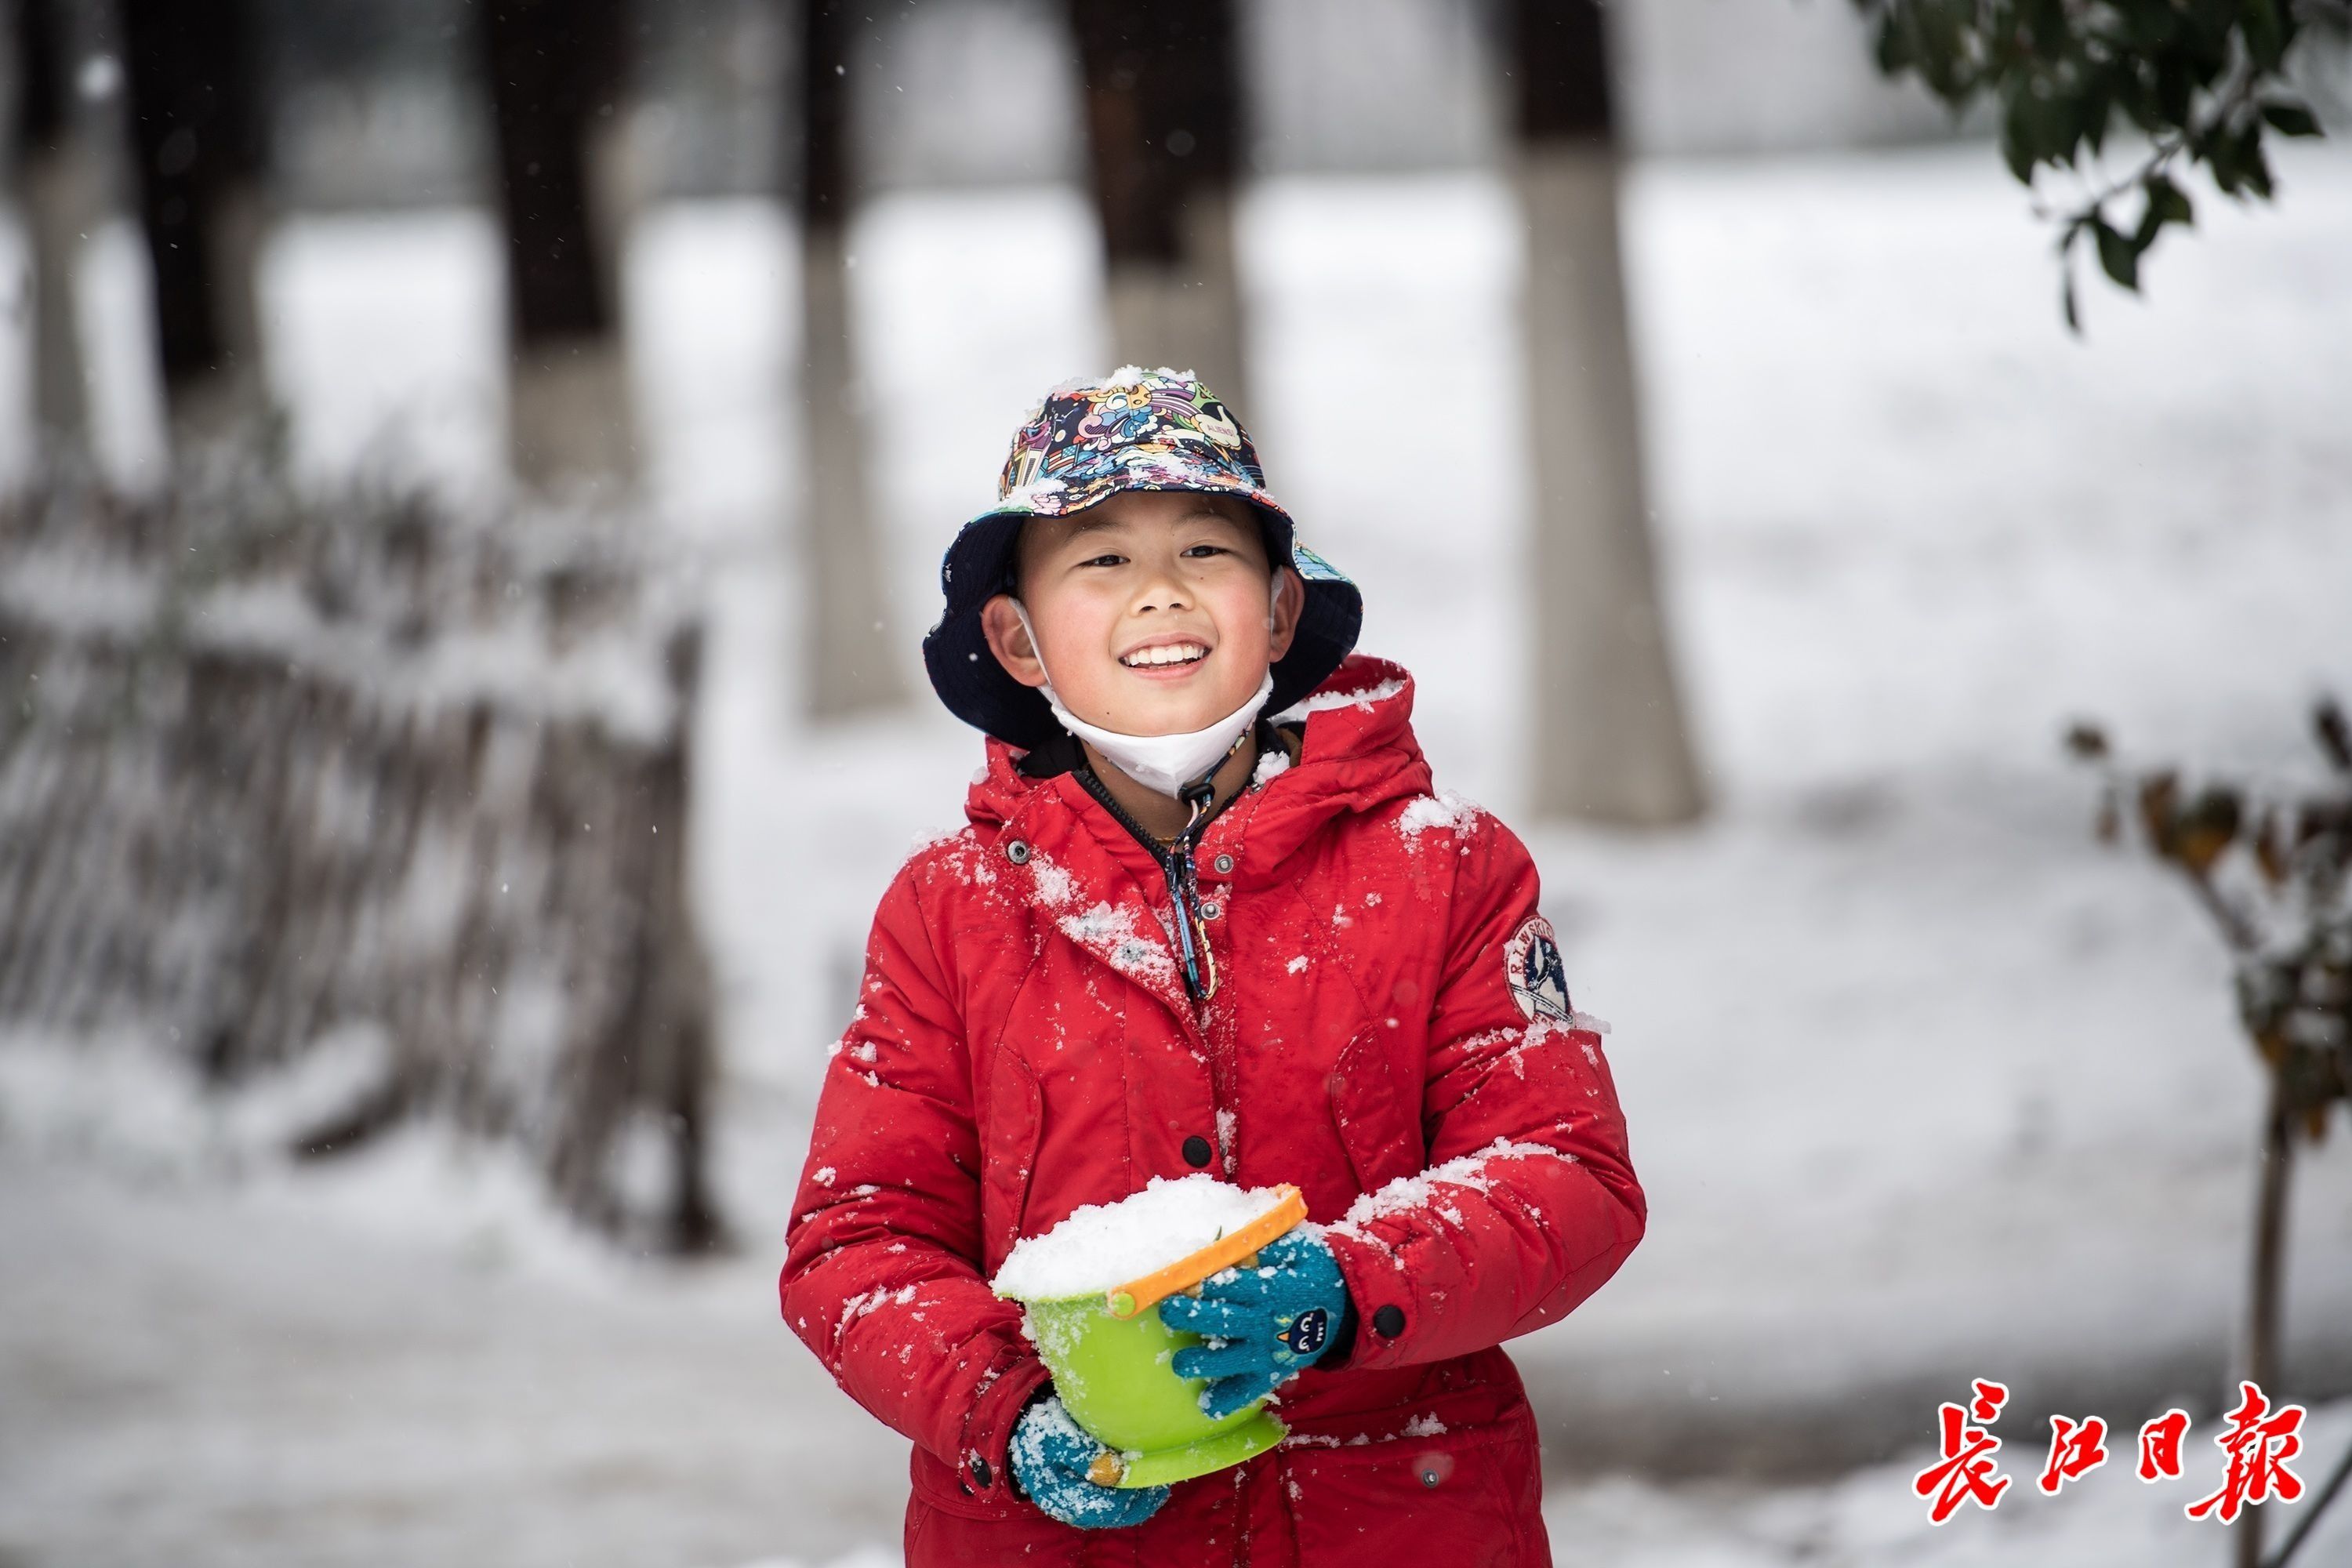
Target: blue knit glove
(1260,1325)
(1050,1454)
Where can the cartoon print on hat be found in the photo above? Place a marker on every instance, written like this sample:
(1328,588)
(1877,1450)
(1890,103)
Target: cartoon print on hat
(1313,567)
(1086,440)
(1539,979)
(1134,431)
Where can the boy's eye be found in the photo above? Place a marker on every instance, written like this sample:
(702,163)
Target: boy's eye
(1207,550)
(1106,561)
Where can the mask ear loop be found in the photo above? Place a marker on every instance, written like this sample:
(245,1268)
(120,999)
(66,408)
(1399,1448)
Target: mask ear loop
(1037,648)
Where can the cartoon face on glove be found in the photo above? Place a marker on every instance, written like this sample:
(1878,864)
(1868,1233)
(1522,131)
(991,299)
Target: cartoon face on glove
(1308,1332)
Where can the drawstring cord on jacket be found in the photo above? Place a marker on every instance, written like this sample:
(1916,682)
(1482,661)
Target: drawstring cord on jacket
(1184,888)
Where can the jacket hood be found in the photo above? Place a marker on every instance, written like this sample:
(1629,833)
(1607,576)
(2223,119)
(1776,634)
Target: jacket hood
(1359,754)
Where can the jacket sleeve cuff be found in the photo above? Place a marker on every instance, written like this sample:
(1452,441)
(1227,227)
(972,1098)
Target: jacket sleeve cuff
(1382,1305)
(1004,1394)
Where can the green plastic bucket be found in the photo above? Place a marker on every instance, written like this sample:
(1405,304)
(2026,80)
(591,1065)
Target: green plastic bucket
(1113,1376)
(1110,1356)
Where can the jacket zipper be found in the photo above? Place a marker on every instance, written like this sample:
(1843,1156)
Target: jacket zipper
(1176,864)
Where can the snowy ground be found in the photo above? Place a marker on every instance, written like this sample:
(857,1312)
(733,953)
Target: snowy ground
(1922,1083)
(402,1364)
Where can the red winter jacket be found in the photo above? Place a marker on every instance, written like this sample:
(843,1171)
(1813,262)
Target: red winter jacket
(1390,1034)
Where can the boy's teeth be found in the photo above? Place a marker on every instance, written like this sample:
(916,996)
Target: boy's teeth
(1178,653)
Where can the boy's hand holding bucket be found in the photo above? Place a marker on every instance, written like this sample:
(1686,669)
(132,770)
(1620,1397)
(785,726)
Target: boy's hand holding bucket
(1263,1325)
(1089,1286)
(1052,1456)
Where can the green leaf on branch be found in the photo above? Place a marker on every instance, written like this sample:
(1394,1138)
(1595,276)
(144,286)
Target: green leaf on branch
(2017,139)
(2045,20)
(2334,733)
(2094,107)
(2149,28)
(2291,119)
(2203,80)
(2067,303)
(2175,89)
(1895,52)
(2165,203)
(2254,168)
(2219,151)
(2267,35)
(2037,128)
(2118,256)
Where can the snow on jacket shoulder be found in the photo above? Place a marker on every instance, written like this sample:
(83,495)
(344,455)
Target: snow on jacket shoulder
(1391,1032)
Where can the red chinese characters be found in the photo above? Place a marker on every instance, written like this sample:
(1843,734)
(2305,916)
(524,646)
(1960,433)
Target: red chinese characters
(2076,1450)
(2257,1439)
(2160,1446)
(1967,1471)
(2259,1443)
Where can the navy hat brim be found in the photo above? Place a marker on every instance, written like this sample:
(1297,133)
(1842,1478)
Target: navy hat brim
(980,565)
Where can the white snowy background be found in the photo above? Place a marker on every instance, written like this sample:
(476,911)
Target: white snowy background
(1922,1083)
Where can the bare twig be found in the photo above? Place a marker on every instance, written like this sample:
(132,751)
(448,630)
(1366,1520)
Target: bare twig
(2295,996)
(2236,929)
(2269,1257)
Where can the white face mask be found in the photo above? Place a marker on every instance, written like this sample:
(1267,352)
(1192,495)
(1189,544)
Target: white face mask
(1162,763)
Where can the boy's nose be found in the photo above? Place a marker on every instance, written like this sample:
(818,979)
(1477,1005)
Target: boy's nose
(1162,593)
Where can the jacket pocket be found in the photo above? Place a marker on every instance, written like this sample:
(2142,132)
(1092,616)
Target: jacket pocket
(1010,1132)
(1472,1498)
(941,1537)
(1379,1116)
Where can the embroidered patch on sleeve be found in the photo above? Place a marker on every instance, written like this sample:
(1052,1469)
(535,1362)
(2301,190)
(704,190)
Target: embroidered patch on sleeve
(1539,979)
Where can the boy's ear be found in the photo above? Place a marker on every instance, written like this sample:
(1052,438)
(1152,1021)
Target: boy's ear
(1289,604)
(1008,640)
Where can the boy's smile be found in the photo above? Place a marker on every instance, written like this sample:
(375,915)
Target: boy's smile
(1154,612)
(1164,654)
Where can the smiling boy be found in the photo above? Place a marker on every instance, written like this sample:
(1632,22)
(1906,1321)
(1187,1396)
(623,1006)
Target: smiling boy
(1161,611)
(1206,914)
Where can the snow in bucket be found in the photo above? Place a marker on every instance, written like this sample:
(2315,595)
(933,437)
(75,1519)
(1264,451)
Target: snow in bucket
(1105,1244)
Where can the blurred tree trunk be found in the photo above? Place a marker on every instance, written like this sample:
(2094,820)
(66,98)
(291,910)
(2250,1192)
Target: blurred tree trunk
(850,663)
(556,70)
(58,182)
(1163,128)
(1611,744)
(198,147)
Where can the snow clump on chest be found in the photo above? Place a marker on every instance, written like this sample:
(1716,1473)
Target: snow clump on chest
(1109,931)
(1105,1244)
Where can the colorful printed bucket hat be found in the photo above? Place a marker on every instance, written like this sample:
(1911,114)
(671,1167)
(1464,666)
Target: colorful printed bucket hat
(1136,430)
